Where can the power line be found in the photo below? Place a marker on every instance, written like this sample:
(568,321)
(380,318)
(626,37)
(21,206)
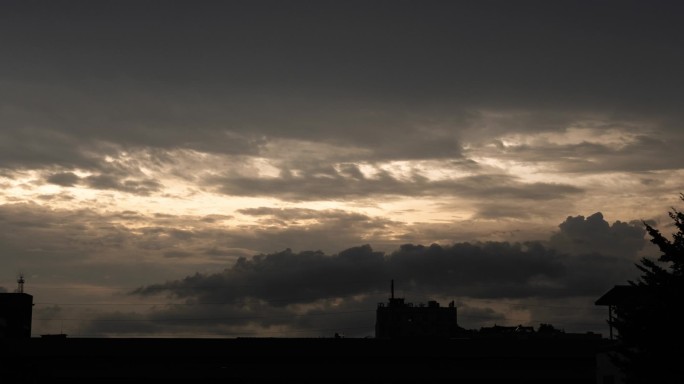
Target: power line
(235,335)
(246,317)
(300,300)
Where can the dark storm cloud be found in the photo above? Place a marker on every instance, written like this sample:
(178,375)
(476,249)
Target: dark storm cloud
(490,270)
(65,179)
(643,153)
(533,274)
(140,187)
(580,235)
(401,78)
(607,252)
(284,277)
(436,49)
(111,182)
(583,259)
(27,147)
(329,183)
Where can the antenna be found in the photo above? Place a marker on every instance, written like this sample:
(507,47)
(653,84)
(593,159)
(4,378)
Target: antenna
(20,283)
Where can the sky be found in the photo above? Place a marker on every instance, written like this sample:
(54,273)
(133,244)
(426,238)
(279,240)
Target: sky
(265,168)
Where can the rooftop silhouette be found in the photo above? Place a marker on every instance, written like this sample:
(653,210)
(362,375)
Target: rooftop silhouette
(417,343)
(16,311)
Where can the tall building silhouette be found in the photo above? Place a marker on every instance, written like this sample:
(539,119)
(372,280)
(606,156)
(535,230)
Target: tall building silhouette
(399,319)
(15,313)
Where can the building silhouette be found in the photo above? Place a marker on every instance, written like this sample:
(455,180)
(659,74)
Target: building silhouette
(519,331)
(616,296)
(414,343)
(400,320)
(15,313)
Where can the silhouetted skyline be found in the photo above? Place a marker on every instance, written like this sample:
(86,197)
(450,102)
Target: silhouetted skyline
(263,168)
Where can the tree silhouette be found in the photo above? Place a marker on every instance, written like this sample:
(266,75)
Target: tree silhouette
(650,324)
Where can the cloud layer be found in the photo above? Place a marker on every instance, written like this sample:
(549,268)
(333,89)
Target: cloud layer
(528,273)
(140,143)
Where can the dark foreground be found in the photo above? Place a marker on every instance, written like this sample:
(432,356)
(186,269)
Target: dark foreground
(74,360)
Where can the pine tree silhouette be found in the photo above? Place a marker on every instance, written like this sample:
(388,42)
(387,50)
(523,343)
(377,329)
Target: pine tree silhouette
(650,324)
